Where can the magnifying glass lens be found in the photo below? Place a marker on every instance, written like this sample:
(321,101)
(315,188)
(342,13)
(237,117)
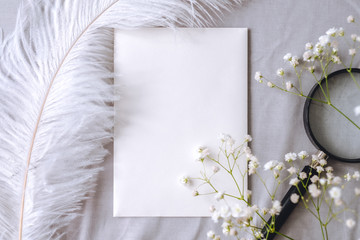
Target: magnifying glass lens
(330,129)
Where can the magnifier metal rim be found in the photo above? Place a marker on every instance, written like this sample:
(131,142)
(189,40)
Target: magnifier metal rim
(306,119)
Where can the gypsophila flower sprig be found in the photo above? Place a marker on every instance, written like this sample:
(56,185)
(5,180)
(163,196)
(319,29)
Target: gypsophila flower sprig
(324,199)
(317,62)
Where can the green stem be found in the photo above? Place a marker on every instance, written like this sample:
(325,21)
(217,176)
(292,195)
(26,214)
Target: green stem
(353,78)
(326,232)
(237,185)
(326,80)
(322,89)
(285,236)
(299,80)
(301,95)
(263,182)
(338,110)
(322,230)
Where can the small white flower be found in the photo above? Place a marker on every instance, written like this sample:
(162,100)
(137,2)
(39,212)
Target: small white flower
(314,179)
(270,165)
(280,166)
(201,153)
(247,151)
(253,164)
(270,84)
(276,208)
(322,181)
(314,159)
(356,175)
(215,216)
(248,138)
(335,46)
(324,40)
(223,137)
(226,224)
(226,138)
(212,208)
(254,208)
(258,77)
(195,193)
(336,181)
(318,49)
(307,56)
(289,157)
(219,196)
(294,61)
(264,211)
(226,228)
(308,46)
(258,235)
(280,72)
(335,50)
(329,169)
(254,159)
(294,181)
(314,191)
(357,110)
(335,59)
(335,193)
(215,169)
(251,171)
(338,202)
(294,198)
(289,85)
(303,154)
(331,32)
(225,212)
(184,180)
(347,177)
(311,69)
(302,175)
(292,170)
(287,57)
(233,232)
(353,37)
(352,51)
(340,32)
(230,142)
(357,191)
(323,162)
(248,213)
(350,223)
(210,234)
(236,211)
(319,169)
(248,193)
(350,19)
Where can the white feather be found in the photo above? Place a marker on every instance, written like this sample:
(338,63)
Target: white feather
(55,102)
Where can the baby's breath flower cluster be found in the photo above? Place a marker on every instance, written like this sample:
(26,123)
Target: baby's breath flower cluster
(317,62)
(324,190)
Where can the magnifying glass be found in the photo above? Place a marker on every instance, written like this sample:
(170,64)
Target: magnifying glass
(335,129)
(332,125)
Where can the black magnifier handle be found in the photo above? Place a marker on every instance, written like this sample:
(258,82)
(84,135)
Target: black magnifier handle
(287,205)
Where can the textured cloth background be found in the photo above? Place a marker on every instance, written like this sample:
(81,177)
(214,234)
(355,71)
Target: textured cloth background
(275,28)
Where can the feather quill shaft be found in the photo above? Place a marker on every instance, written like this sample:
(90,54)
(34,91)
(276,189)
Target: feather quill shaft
(39,117)
(56,95)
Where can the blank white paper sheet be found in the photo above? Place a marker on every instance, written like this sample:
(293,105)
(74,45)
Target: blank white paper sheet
(178,89)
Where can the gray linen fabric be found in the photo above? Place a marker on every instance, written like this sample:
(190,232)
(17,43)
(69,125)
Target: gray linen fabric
(275,120)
